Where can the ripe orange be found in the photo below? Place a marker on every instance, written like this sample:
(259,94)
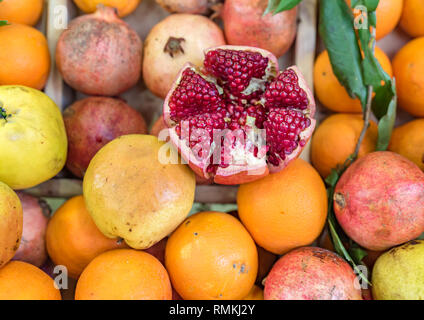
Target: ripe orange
(24,56)
(23,281)
(255,293)
(329,90)
(211,256)
(336,138)
(284,210)
(21,11)
(408,141)
(124,274)
(412,20)
(408,67)
(124,7)
(388,15)
(72,238)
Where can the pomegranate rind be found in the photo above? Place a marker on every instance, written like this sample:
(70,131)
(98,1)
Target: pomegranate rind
(379,201)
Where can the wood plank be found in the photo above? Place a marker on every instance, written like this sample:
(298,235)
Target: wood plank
(66,188)
(305,50)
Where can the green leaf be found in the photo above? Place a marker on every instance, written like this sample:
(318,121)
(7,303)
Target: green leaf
(3,23)
(332,178)
(385,126)
(337,241)
(276,6)
(371,5)
(357,253)
(337,31)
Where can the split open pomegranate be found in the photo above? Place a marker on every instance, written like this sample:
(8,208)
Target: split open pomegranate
(238,118)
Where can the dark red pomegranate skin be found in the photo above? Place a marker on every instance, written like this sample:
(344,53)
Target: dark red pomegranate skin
(158,126)
(99,54)
(311,273)
(245,24)
(379,201)
(158,250)
(91,123)
(32,248)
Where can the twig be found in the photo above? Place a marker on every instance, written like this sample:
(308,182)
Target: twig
(366,122)
(367,113)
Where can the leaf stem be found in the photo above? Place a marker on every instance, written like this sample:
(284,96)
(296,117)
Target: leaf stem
(367,112)
(366,123)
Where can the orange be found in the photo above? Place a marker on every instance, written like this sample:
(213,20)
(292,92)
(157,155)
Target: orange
(284,210)
(335,140)
(408,141)
(72,238)
(124,7)
(211,256)
(331,93)
(23,281)
(21,11)
(412,20)
(255,293)
(124,274)
(388,15)
(24,56)
(408,67)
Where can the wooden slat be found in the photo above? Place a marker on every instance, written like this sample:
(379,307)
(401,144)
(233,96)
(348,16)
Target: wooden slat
(66,188)
(57,19)
(305,49)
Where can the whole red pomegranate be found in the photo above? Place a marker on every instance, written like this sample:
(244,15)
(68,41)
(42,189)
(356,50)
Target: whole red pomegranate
(379,200)
(245,24)
(91,123)
(177,39)
(99,54)
(311,273)
(187,6)
(238,118)
(32,248)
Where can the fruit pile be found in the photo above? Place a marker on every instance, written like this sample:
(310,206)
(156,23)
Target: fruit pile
(229,116)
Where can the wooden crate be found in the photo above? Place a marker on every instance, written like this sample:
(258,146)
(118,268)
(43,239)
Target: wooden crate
(142,20)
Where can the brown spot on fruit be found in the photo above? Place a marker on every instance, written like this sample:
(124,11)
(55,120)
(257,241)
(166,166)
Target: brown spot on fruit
(173,46)
(340,200)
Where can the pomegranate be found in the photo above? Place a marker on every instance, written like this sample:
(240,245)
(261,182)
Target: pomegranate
(310,273)
(245,24)
(91,123)
(160,130)
(177,39)
(32,248)
(221,116)
(187,6)
(99,54)
(157,127)
(158,250)
(379,201)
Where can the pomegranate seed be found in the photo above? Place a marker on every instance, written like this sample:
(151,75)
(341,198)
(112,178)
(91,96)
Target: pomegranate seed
(200,107)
